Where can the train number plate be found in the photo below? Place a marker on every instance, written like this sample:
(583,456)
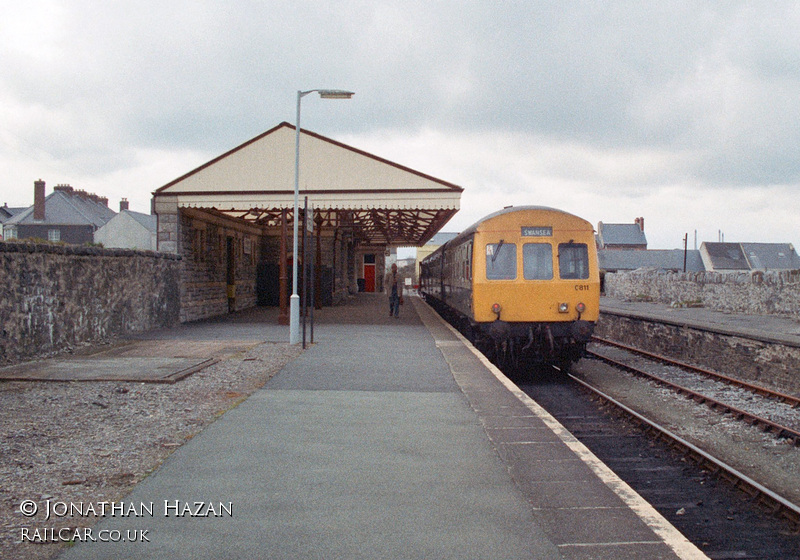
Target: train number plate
(537,231)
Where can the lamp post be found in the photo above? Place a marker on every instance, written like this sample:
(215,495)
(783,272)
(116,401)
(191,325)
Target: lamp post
(294,300)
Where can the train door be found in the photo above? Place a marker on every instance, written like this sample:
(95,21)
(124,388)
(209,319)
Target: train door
(369,272)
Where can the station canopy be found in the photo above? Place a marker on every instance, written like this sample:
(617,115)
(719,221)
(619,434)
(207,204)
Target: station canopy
(383,203)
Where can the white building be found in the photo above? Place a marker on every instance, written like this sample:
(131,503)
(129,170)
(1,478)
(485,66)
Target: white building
(129,230)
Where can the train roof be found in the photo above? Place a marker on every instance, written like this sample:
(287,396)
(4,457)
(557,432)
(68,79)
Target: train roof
(507,210)
(510,209)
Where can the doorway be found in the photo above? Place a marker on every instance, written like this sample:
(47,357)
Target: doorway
(369,272)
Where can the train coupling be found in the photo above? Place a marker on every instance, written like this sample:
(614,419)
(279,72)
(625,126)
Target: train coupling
(582,330)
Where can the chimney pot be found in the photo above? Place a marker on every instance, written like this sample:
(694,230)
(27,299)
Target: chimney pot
(38,200)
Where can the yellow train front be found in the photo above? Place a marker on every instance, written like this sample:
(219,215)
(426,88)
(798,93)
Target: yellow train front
(522,284)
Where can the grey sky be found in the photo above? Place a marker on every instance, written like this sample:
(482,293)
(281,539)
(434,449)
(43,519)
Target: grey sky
(686,113)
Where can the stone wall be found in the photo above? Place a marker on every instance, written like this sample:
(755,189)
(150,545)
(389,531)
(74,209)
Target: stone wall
(761,293)
(55,297)
(220,257)
(762,362)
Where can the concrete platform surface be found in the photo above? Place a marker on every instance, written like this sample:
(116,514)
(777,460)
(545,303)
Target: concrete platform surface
(156,360)
(388,438)
(767,328)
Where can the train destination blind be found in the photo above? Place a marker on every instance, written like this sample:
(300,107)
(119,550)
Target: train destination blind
(537,231)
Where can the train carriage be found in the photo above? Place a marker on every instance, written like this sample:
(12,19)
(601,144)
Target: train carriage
(522,284)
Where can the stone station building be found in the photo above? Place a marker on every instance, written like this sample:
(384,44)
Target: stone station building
(231,221)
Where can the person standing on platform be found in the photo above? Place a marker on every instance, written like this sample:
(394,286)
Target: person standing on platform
(393,284)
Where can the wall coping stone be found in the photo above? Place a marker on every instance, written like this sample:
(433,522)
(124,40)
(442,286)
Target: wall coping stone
(32,247)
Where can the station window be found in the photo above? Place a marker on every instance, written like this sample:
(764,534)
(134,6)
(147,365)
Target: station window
(573,261)
(501,261)
(54,235)
(537,261)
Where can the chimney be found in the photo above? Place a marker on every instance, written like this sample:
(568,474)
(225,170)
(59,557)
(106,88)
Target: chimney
(38,200)
(640,222)
(123,204)
(103,200)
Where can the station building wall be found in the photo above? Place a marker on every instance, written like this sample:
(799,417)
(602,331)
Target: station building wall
(219,259)
(209,287)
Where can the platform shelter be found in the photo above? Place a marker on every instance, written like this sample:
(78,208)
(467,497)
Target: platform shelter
(231,220)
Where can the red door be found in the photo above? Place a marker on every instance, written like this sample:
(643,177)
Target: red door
(369,277)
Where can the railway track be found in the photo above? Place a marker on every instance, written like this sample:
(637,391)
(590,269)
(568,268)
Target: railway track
(774,503)
(773,411)
(698,493)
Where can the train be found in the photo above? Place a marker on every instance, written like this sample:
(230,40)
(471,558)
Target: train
(522,284)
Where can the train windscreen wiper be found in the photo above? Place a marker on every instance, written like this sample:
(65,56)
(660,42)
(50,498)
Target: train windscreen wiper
(497,250)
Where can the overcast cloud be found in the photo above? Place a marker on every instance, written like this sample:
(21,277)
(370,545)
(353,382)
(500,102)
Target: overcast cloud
(687,114)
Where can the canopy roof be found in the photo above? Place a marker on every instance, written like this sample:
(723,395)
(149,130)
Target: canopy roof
(383,202)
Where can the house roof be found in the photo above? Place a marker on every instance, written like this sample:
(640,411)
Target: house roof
(631,259)
(147,221)
(66,208)
(724,256)
(771,256)
(750,256)
(384,202)
(620,234)
(7,212)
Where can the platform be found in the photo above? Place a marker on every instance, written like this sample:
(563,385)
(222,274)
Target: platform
(388,438)
(773,329)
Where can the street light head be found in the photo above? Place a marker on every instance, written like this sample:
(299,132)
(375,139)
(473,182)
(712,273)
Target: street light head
(335,94)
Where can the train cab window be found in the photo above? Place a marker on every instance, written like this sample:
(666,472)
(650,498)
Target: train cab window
(501,261)
(537,261)
(573,261)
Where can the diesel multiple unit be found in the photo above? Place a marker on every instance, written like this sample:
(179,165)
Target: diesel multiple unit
(522,284)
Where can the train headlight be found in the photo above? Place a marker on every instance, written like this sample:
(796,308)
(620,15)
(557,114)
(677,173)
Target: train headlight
(581,307)
(496,309)
(563,307)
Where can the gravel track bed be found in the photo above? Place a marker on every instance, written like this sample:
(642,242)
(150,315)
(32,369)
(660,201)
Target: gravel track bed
(771,461)
(93,441)
(731,395)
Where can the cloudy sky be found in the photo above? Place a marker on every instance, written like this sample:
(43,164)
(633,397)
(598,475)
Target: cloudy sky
(685,113)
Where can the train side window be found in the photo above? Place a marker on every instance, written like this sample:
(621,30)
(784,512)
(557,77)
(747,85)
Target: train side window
(573,261)
(537,261)
(501,261)
(469,261)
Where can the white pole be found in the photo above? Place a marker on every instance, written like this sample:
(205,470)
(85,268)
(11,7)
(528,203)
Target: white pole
(294,300)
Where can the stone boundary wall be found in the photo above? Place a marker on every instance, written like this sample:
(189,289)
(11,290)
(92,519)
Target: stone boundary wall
(758,361)
(55,297)
(757,293)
